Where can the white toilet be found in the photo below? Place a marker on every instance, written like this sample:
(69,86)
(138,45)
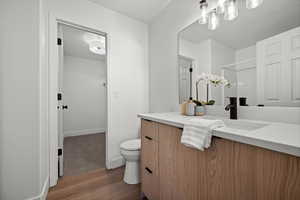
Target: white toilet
(130,150)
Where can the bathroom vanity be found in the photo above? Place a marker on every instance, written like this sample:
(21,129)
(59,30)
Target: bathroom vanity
(247,160)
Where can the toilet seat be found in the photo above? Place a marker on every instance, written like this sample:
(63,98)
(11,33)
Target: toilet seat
(131,145)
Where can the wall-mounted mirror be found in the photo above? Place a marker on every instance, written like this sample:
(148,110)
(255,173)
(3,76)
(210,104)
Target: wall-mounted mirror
(258,53)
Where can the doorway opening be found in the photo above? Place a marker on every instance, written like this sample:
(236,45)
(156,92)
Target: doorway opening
(82,99)
(184,66)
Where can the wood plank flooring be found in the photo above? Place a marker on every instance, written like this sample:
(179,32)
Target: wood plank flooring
(99,184)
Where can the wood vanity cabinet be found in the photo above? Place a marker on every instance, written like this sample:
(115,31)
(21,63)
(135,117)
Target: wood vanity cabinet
(149,161)
(226,171)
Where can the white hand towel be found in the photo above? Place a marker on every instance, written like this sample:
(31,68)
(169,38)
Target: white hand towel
(197,133)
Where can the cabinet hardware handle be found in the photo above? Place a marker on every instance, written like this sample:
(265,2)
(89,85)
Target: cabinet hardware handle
(147,137)
(148,170)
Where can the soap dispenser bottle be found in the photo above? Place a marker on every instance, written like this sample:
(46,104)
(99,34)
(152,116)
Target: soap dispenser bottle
(190,107)
(183,107)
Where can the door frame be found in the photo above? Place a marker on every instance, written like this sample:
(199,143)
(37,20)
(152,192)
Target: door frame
(195,69)
(53,66)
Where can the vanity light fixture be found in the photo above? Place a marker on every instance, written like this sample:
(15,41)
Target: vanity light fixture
(228,8)
(203,12)
(213,20)
(231,10)
(250,4)
(221,6)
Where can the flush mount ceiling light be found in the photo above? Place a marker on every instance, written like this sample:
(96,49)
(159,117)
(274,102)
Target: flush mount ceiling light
(229,9)
(203,12)
(221,6)
(96,43)
(97,47)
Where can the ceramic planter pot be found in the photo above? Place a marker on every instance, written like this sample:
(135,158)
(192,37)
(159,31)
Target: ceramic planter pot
(199,110)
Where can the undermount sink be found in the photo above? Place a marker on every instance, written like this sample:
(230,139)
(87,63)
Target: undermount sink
(244,125)
(237,124)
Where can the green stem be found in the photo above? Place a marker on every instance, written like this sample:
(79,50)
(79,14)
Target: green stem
(207,92)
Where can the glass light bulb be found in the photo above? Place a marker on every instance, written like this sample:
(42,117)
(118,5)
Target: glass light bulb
(221,6)
(203,12)
(213,20)
(231,10)
(250,4)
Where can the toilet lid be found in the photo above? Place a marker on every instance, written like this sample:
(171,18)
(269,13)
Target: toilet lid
(131,145)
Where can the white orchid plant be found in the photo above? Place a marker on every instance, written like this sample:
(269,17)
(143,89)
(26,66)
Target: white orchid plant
(213,79)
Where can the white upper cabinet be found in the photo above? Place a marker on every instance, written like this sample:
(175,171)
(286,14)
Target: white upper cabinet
(278,69)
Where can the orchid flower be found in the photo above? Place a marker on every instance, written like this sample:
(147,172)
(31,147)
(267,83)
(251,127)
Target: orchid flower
(212,78)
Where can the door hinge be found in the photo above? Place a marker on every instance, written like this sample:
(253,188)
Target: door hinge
(59,96)
(60,162)
(59,152)
(59,41)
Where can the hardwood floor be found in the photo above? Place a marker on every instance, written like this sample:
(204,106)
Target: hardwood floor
(99,184)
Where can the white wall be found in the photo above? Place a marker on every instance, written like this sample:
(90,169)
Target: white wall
(201,54)
(245,53)
(247,78)
(128,92)
(221,55)
(163,52)
(21,151)
(209,56)
(85,95)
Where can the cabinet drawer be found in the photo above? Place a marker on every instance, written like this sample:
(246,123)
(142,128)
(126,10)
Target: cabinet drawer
(149,155)
(149,130)
(150,184)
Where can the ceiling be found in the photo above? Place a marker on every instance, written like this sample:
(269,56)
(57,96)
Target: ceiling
(75,43)
(271,18)
(143,10)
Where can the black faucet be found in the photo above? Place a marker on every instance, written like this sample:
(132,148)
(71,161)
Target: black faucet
(232,107)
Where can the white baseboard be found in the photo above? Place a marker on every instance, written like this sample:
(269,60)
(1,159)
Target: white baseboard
(44,192)
(115,162)
(83,132)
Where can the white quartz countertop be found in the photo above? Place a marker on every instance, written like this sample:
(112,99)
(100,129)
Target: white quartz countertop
(281,137)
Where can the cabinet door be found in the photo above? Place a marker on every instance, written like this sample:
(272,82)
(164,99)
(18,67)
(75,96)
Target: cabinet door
(149,130)
(168,139)
(271,61)
(293,66)
(177,166)
(278,69)
(149,160)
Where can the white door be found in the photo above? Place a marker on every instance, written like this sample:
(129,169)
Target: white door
(293,66)
(184,78)
(278,69)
